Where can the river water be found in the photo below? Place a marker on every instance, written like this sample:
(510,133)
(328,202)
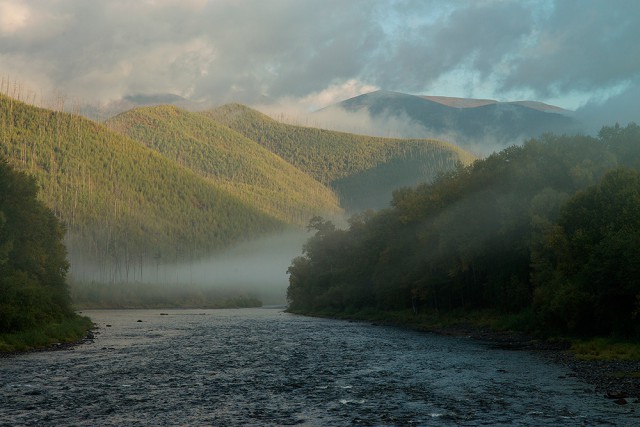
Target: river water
(266,367)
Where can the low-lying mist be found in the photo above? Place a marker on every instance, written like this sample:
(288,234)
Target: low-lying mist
(486,141)
(255,269)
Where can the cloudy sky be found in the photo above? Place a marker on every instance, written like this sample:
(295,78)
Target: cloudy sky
(572,53)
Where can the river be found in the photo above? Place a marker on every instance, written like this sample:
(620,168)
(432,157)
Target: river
(266,367)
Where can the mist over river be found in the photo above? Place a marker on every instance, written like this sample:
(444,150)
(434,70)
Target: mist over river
(266,367)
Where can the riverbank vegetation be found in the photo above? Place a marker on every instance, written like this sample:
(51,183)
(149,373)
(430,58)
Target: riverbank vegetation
(35,307)
(155,295)
(543,235)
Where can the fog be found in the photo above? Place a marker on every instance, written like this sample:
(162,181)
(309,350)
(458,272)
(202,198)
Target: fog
(256,268)
(391,125)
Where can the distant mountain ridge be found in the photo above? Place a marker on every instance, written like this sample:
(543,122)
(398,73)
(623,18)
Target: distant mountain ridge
(472,102)
(482,125)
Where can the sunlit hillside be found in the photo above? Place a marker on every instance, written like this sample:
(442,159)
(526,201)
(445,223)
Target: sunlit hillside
(123,203)
(234,162)
(363,170)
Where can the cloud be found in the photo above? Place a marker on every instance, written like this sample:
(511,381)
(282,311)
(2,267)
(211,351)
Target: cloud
(297,110)
(622,108)
(13,16)
(479,36)
(580,46)
(313,51)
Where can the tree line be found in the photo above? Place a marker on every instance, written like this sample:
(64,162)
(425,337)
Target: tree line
(546,232)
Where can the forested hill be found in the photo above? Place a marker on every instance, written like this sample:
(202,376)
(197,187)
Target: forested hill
(363,170)
(547,232)
(122,202)
(234,162)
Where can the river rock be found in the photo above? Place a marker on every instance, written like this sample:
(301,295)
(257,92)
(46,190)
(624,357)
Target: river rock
(616,395)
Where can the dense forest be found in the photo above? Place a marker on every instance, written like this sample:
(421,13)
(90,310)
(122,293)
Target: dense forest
(546,233)
(363,170)
(243,167)
(33,264)
(124,205)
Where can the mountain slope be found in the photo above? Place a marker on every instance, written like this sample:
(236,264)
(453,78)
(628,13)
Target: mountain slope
(472,103)
(240,165)
(363,170)
(478,123)
(123,203)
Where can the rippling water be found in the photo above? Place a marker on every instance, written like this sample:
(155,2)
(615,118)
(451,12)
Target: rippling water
(265,367)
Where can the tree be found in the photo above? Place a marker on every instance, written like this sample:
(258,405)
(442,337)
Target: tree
(595,284)
(33,263)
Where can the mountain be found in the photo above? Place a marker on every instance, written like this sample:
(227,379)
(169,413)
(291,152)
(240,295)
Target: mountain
(482,125)
(471,103)
(363,170)
(241,166)
(124,204)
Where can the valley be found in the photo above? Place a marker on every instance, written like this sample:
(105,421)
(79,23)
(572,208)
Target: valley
(155,189)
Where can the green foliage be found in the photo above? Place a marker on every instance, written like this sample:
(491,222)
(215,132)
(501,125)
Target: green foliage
(608,349)
(33,261)
(142,295)
(544,234)
(241,166)
(363,170)
(122,202)
(68,330)
(596,286)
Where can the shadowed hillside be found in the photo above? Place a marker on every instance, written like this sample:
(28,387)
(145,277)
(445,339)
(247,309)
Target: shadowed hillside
(480,124)
(363,170)
(544,236)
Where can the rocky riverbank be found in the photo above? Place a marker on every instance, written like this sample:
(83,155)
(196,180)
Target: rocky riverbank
(616,380)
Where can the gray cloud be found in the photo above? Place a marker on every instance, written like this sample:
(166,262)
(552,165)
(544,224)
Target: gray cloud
(478,36)
(623,109)
(580,46)
(251,50)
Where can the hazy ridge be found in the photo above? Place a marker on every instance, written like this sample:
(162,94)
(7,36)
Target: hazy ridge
(364,170)
(482,125)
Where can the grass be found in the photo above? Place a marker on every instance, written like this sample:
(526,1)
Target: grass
(606,349)
(430,320)
(66,331)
